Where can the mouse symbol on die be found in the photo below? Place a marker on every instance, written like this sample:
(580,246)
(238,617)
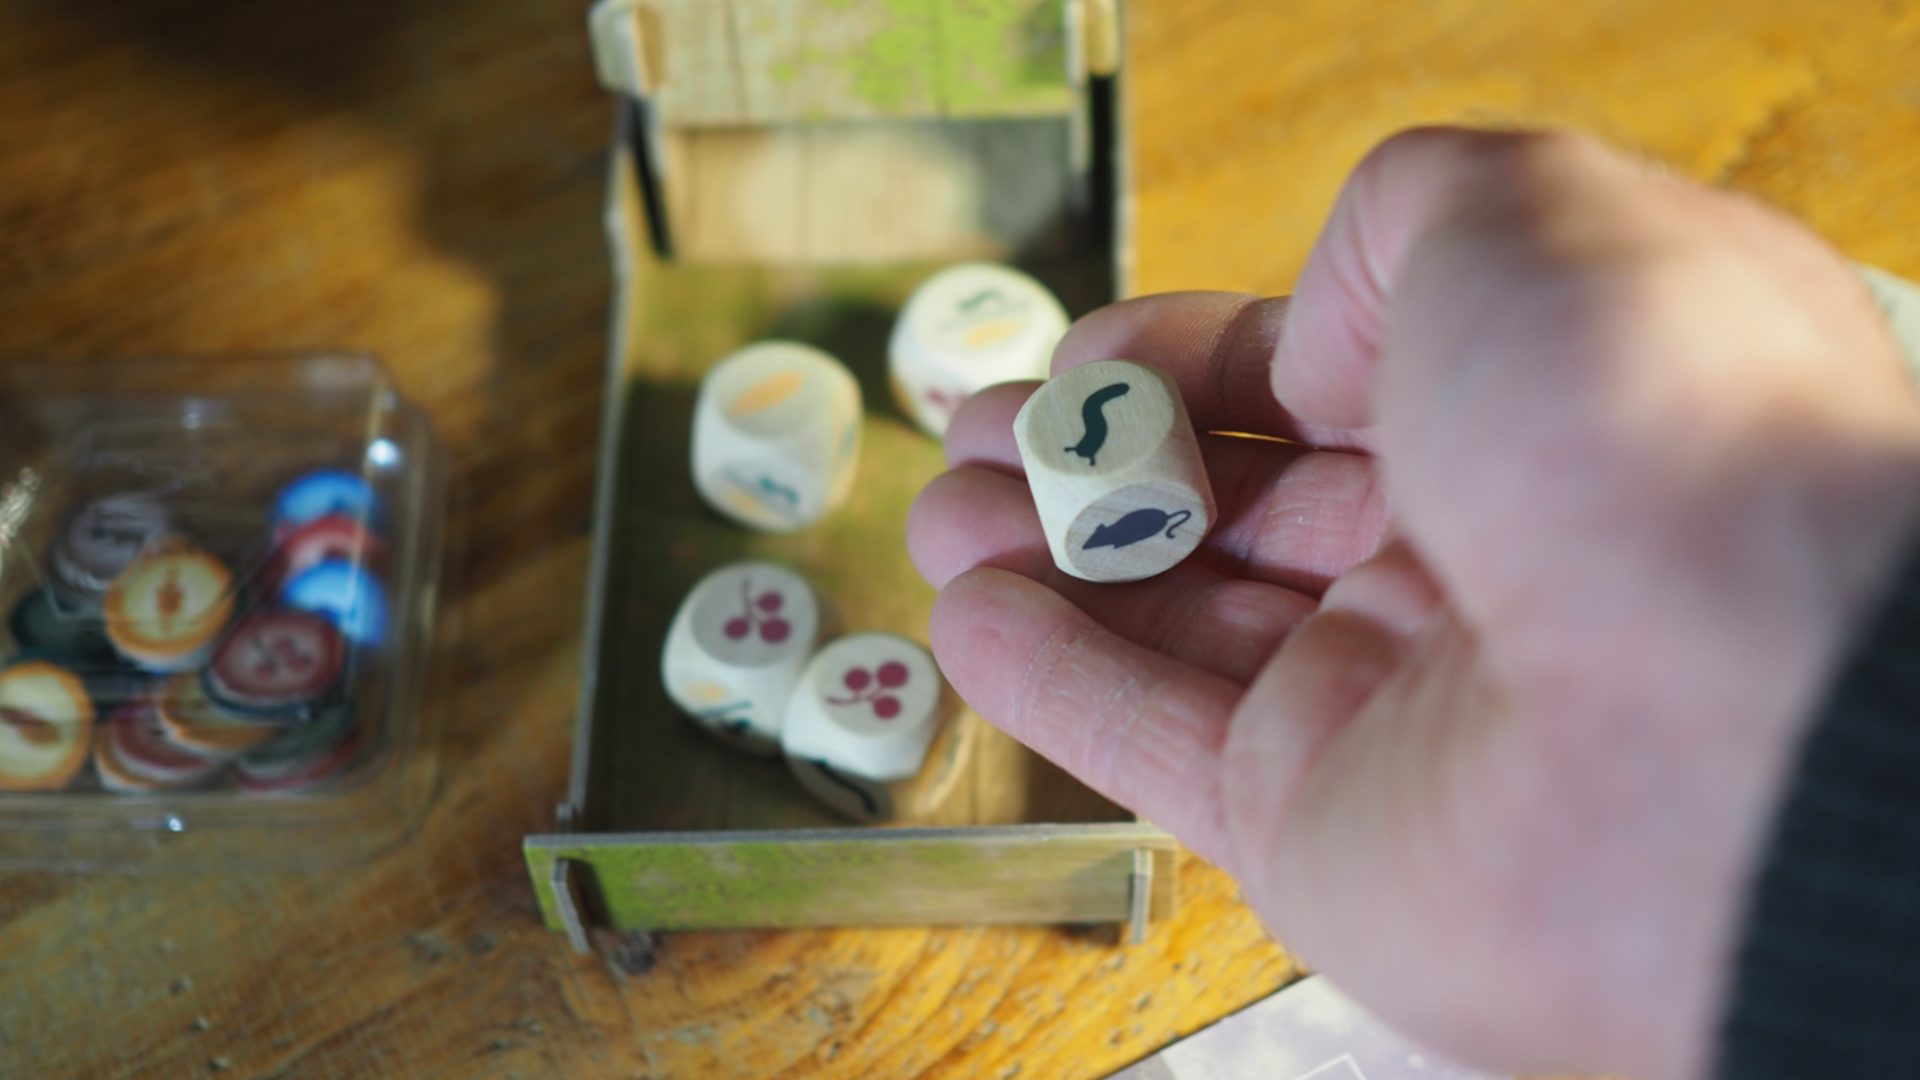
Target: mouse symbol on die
(1095,419)
(1135,527)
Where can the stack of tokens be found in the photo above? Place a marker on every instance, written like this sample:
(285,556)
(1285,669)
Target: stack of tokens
(327,554)
(136,622)
(133,755)
(99,542)
(46,725)
(165,611)
(301,757)
(277,717)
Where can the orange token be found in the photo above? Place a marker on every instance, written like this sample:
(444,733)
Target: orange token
(166,610)
(194,724)
(46,726)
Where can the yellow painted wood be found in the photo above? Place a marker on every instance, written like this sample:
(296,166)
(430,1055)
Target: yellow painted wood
(738,63)
(861,877)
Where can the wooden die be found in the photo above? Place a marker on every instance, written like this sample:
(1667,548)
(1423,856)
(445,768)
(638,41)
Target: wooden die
(872,730)
(776,435)
(1115,470)
(965,329)
(736,648)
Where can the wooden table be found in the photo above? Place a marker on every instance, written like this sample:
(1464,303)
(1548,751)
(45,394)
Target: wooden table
(423,179)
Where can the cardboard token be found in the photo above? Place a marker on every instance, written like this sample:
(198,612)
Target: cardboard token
(46,726)
(114,774)
(299,750)
(42,623)
(326,768)
(275,663)
(166,610)
(102,539)
(322,493)
(192,723)
(335,536)
(140,747)
(350,596)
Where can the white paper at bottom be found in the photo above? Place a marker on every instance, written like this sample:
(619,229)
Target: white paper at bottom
(1309,1031)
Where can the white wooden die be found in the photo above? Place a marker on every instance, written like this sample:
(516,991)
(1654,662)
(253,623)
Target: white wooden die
(872,730)
(737,647)
(1115,471)
(965,329)
(776,435)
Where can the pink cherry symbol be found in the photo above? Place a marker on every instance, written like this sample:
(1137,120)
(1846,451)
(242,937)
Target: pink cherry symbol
(886,708)
(893,674)
(775,631)
(770,602)
(856,679)
(738,628)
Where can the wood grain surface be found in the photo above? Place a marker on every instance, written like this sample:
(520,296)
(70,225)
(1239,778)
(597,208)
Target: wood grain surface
(422,178)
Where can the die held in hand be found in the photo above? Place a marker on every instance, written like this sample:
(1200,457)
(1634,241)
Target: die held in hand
(1115,471)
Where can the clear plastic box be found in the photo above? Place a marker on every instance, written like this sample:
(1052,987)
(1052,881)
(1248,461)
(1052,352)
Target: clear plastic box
(218,583)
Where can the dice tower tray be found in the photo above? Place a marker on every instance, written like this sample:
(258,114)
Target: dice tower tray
(664,828)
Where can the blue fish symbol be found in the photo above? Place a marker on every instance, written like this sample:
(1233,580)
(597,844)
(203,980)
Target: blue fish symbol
(1135,527)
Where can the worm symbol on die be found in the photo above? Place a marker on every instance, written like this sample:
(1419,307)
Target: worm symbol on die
(1096,421)
(1135,527)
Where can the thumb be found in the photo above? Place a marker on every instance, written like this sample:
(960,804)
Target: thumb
(1404,188)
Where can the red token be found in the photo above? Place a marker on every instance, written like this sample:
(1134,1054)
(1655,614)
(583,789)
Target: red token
(279,659)
(141,746)
(335,536)
(321,770)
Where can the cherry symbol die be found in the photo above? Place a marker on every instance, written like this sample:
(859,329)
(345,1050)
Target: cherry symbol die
(736,648)
(866,721)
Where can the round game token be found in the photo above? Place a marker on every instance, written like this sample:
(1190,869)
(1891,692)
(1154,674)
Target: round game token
(335,536)
(319,494)
(298,750)
(46,726)
(192,723)
(42,623)
(102,539)
(166,610)
(277,663)
(114,774)
(326,768)
(348,595)
(140,747)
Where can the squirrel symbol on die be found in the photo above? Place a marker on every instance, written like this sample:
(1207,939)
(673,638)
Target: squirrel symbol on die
(1092,414)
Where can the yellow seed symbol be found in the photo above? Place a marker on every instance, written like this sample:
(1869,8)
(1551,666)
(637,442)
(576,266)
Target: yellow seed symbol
(992,333)
(706,691)
(767,393)
(171,596)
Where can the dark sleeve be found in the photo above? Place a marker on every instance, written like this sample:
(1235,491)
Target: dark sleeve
(1828,977)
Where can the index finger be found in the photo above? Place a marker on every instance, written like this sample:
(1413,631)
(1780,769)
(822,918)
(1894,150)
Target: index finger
(1218,346)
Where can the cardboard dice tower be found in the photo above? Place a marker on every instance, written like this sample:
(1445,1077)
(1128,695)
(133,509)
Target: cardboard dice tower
(793,170)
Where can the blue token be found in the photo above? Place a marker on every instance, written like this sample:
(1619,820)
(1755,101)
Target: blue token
(347,595)
(320,493)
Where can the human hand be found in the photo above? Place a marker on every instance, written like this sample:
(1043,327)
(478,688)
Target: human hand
(1486,685)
